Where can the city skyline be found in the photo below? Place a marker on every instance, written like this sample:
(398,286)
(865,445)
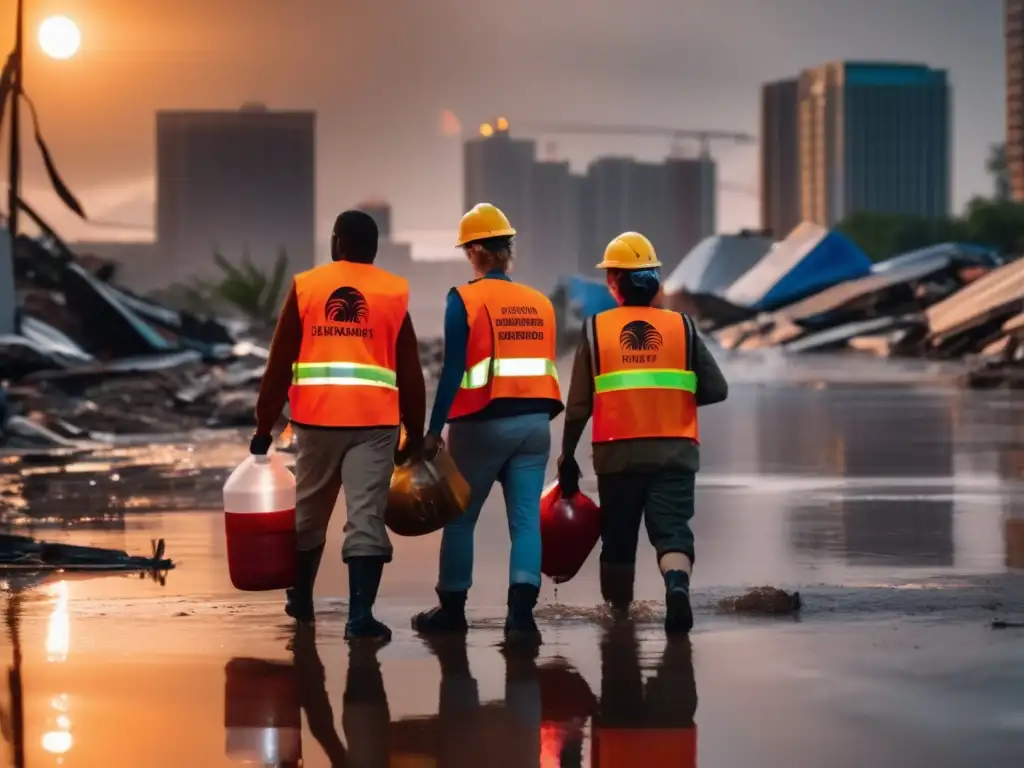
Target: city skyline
(667,73)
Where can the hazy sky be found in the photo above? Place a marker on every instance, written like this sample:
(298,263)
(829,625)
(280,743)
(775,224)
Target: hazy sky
(380,72)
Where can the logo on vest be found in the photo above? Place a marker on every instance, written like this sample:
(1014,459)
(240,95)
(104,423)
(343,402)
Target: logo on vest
(346,309)
(639,336)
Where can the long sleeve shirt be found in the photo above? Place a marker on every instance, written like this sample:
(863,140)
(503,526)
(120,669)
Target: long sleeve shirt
(284,351)
(456,341)
(643,454)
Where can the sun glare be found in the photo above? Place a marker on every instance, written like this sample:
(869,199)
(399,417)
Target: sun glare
(59,37)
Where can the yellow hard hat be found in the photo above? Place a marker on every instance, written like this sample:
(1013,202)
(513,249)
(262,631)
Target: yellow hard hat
(630,250)
(482,221)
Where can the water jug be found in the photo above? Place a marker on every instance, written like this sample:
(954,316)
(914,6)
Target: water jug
(569,530)
(259,520)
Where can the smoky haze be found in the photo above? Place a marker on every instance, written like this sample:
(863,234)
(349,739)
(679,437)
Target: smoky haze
(392,80)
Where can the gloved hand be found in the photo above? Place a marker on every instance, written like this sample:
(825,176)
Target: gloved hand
(431,445)
(568,476)
(260,444)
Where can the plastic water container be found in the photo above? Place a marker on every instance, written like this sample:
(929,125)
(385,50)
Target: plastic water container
(259,520)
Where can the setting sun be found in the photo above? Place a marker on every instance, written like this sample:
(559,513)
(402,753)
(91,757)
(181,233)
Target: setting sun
(59,37)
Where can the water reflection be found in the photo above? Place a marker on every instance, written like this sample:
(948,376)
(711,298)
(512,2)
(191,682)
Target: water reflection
(57,740)
(645,723)
(876,435)
(262,713)
(538,724)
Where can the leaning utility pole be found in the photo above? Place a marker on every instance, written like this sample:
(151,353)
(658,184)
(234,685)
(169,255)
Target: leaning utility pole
(8,311)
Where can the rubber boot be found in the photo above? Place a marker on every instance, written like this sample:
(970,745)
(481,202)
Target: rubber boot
(448,617)
(299,598)
(617,585)
(364,575)
(520,628)
(678,613)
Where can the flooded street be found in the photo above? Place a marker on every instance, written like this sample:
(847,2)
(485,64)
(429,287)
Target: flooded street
(896,511)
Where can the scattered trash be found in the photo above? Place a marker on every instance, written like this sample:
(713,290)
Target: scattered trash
(24,554)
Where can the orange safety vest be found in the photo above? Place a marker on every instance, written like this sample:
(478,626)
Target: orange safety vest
(644,385)
(345,375)
(511,349)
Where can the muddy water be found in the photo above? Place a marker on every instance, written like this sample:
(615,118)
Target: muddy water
(896,511)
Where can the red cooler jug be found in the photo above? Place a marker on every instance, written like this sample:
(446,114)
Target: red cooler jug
(259,519)
(569,529)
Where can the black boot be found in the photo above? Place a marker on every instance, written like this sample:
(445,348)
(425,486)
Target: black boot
(617,585)
(449,616)
(678,613)
(363,581)
(299,603)
(520,628)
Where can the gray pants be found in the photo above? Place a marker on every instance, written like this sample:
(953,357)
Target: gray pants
(358,460)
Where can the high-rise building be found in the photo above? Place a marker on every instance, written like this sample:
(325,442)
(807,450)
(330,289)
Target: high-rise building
(380,212)
(873,137)
(691,193)
(780,157)
(498,169)
(1015,96)
(235,182)
(672,203)
(554,223)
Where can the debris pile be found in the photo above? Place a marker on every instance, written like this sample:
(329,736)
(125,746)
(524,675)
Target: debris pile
(816,291)
(92,359)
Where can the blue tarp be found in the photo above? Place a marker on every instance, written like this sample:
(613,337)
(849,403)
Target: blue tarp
(588,296)
(811,259)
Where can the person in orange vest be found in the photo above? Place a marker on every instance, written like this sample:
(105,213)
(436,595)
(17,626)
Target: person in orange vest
(499,389)
(641,372)
(640,723)
(346,358)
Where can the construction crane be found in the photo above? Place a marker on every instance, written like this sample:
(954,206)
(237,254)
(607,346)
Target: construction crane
(676,135)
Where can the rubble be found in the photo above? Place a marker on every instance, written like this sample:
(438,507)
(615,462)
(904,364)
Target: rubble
(93,363)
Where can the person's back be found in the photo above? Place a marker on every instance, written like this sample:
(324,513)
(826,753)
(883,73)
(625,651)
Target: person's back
(642,372)
(345,355)
(351,316)
(499,390)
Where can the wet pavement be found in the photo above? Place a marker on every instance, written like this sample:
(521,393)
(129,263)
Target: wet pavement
(896,511)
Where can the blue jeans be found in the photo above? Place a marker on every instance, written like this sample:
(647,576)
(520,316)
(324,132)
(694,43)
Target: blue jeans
(513,451)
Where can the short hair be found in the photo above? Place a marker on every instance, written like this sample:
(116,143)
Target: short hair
(355,236)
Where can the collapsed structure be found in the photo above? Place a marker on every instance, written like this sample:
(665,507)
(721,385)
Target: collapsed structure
(93,362)
(816,291)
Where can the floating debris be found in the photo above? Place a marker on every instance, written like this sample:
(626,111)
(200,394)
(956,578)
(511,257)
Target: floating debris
(768,601)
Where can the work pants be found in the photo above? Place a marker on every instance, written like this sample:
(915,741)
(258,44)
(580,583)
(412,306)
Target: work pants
(514,452)
(360,461)
(663,499)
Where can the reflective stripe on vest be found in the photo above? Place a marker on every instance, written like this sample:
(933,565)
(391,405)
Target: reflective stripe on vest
(480,374)
(510,352)
(643,387)
(665,378)
(343,375)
